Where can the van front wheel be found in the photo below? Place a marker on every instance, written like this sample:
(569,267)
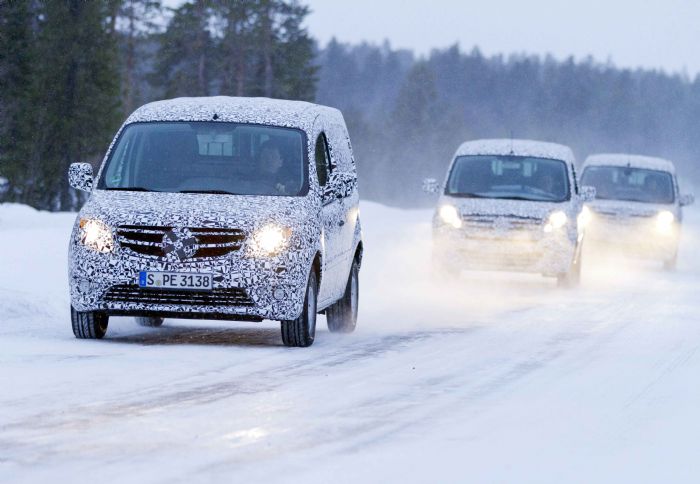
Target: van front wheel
(89,325)
(573,277)
(301,332)
(342,316)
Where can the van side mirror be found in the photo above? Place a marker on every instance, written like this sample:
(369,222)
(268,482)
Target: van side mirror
(431,185)
(4,185)
(340,184)
(80,176)
(687,199)
(587,193)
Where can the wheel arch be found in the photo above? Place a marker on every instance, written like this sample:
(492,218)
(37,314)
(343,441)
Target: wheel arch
(359,253)
(317,267)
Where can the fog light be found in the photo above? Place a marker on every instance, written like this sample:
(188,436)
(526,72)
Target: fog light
(85,287)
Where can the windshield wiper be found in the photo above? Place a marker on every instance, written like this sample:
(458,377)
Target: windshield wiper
(497,197)
(637,200)
(468,195)
(130,189)
(210,192)
(529,199)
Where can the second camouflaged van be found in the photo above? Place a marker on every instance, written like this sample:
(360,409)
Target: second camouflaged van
(510,205)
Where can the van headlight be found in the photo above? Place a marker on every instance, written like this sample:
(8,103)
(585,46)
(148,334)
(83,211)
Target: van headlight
(96,235)
(450,215)
(270,240)
(664,222)
(556,221)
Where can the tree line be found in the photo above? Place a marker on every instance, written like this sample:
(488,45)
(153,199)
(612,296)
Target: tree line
(71,71)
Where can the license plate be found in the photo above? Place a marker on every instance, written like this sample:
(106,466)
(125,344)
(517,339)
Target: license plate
(175,280)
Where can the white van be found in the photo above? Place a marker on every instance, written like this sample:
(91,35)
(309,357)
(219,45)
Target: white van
(510,205)
(220,208)
(637,210)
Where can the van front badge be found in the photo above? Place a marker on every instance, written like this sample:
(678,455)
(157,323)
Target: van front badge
(181,242)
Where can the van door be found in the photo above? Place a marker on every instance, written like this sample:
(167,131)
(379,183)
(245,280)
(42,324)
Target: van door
(345,181)
(332,223)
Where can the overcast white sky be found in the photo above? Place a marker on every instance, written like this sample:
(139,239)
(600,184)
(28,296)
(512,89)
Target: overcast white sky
(649,33)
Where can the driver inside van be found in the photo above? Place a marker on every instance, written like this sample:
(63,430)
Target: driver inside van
(547,182)
(275,170)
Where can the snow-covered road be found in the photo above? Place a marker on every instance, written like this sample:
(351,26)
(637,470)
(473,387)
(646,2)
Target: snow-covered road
(498,378)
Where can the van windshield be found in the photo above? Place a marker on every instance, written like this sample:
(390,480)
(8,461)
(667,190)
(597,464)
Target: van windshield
(208,157)
(631,184)
(509,177)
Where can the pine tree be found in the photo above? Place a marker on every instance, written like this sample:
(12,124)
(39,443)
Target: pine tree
(412,129)
(236,46)
(293,55)
(185,58)
(136,20)
(338,76)
(17,55)
(264,50)
(76,94)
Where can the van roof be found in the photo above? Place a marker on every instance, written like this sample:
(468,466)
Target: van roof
(274,112)
(517,147)
(624,159)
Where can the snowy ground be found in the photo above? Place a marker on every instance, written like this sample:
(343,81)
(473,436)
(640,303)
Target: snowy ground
(500,378)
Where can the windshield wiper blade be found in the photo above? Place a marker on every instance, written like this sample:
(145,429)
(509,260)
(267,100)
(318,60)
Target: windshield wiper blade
(529,199)
(131,189)
(468,195)
(637,200)
(210,192)
(498,197)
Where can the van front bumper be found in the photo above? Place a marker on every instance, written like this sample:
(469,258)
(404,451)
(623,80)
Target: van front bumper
(548,254)
(641,240)
(244,288)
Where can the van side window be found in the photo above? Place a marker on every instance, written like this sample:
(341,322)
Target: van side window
(322,159)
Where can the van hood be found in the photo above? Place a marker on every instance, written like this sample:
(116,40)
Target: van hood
(506,208)
(196,210)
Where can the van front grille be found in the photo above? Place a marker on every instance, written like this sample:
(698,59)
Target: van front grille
(500,223)
(622,217)
(221,297)
(204,242)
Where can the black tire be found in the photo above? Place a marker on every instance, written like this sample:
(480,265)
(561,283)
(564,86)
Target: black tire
(342,316)
(89,325)
(150,321)
(301,332)
(573,277)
